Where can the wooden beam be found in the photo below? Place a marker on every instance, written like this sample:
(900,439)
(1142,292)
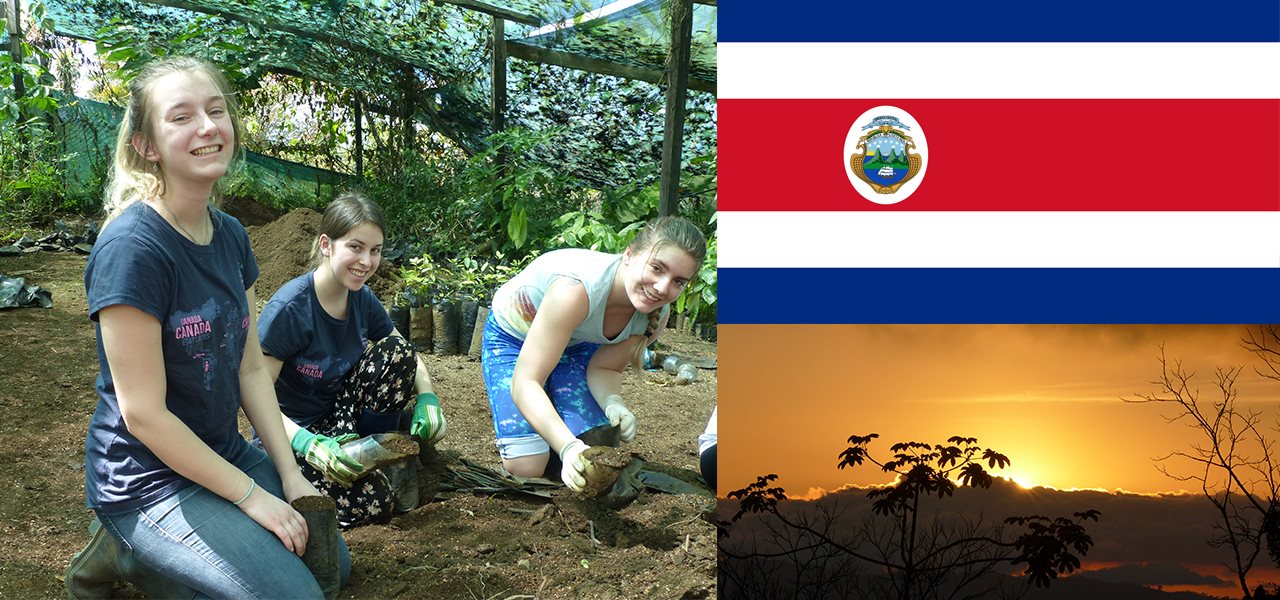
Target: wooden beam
(12,19)
(595,65)
(13,23)
(499,113)
(497,11)
(499,80)
(357,119)
(673,129)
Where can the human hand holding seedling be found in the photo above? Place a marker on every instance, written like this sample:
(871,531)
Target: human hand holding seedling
(326,455)
(276,516)
(573,470)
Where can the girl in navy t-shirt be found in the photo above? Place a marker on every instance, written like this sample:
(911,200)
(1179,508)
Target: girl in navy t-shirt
(186,505)
(341,369)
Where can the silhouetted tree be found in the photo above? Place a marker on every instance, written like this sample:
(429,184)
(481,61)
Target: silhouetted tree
(906,556)
(807,569)
(1233,463)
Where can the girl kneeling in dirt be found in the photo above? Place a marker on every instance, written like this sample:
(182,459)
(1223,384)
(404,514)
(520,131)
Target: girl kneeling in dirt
(343,371)
(561,333)
(186,505)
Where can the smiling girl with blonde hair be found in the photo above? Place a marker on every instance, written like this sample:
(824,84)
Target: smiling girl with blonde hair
(186,505)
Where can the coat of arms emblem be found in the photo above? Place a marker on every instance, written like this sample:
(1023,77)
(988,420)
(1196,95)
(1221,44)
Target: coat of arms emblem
(886,155)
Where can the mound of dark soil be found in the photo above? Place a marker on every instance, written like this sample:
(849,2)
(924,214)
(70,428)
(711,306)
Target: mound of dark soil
(249,211)
(283,249)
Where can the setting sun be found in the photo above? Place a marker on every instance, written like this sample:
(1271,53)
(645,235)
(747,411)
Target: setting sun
(1038,429)
(1048,397)
(1024,481)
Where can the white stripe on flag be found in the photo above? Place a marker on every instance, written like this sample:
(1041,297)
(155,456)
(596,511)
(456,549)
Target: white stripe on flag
(999,70)
(861,239)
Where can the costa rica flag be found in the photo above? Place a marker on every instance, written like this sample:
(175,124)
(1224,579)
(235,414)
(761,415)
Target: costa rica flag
(1000,162)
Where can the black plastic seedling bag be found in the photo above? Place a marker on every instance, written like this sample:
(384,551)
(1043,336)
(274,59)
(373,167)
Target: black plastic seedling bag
(15,293)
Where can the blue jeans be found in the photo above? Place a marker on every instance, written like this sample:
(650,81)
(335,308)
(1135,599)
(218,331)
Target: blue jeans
(203,541)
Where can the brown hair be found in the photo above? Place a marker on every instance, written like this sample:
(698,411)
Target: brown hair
(656,234)
(133,177)
(349,210)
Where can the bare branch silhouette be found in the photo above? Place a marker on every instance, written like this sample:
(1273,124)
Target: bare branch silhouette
(1265,343)
(1232,459)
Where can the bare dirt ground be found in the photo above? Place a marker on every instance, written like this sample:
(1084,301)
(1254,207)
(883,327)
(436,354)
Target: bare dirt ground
(459,545)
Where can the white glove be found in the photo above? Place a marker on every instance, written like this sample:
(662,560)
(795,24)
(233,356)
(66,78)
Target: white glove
(573,469)
(620,416)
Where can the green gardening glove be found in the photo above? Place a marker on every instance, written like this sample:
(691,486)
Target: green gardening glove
(324,453)
(428,420)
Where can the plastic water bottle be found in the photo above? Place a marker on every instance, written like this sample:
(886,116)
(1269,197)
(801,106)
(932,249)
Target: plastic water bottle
(671,363)
(652,360)
(686,373)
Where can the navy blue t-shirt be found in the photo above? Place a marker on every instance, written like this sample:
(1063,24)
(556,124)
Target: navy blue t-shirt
(317,350)
(198,295)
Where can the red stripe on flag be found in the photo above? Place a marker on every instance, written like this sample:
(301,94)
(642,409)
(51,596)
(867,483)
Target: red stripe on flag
(1101,155)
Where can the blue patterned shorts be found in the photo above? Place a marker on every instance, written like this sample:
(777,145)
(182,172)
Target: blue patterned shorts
(566,386)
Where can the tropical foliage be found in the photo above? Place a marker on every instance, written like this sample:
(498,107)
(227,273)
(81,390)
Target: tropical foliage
(32,156)
(575,166)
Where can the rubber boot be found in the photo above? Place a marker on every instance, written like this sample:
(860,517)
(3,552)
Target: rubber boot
(94,570)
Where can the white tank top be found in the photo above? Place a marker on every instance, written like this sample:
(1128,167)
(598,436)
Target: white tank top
(517,301)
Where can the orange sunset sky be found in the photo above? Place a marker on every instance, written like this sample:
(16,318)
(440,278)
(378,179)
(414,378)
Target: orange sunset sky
(1047,396)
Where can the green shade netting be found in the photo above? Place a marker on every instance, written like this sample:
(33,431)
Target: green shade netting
(635,33)
(87,130)
(438,54)
(444,60)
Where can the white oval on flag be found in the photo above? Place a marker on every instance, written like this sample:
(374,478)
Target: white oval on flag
(885,154)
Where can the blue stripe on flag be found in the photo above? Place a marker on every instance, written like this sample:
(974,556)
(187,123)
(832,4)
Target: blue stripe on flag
(1008,295)
(1001,21)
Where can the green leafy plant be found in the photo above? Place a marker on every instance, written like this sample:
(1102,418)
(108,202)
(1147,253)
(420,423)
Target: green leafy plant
(506,195)
(420,279)
(588,229)
(29,67)
(460,279)
(33,161)
(698,299)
